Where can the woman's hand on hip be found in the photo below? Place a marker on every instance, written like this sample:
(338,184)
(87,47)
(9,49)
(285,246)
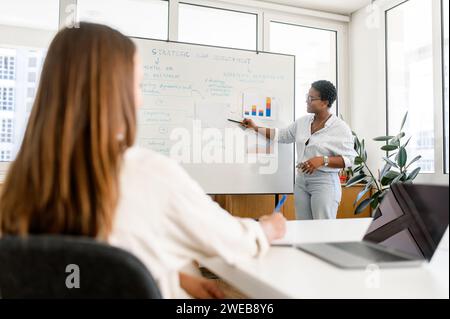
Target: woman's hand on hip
(311,165)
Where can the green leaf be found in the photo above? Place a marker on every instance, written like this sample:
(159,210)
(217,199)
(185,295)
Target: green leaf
(413,174)
(358,168)
(400,136)
(402,157)
(361,206)
(383,138)
(388,177)
(358,144)
(381,195)
(397,138)
(391,174)
(390,162)
(415,159)
(377,194)
(362,152)
(385,169)
(363,192)
(374,203)
(358,160)
(404,120)
(395,142)
(398,178)
(355,179)
(389,147)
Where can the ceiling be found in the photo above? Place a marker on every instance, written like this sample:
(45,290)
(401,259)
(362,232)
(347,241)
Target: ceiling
(332,6)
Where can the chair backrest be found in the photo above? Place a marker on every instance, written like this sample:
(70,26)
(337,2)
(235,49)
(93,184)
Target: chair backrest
(70,267)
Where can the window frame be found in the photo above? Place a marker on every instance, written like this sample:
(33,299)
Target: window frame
(341,30)
(444,145)
(76,16)
(203,4)
(336,75)
(439,176)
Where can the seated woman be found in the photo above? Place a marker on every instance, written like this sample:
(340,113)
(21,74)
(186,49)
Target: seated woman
(78,173)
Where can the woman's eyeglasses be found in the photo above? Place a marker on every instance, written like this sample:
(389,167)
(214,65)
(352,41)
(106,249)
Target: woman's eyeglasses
(310,98)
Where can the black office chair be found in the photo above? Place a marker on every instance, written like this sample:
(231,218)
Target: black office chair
(48,267)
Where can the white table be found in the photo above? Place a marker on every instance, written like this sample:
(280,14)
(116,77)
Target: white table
(286,272)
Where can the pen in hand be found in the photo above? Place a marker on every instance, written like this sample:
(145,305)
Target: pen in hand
(280,204)
(234,121)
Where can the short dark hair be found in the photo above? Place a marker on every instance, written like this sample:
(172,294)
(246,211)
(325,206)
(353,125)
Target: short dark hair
(327,91)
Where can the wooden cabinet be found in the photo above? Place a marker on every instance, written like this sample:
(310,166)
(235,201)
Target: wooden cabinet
(254,206)
(346,208)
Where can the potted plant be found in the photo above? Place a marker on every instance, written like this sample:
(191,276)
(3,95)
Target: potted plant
(395,170)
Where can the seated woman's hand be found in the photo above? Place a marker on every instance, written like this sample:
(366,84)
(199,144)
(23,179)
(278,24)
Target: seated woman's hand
(200,288)
(273,225)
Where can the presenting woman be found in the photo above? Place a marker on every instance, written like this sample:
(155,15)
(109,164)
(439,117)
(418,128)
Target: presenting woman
(324,146)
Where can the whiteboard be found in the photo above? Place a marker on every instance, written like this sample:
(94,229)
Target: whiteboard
(189,93)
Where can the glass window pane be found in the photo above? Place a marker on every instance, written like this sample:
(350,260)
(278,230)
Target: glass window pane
(138,18)
(315,57)
(42,14)
(410,78)
(17,91)
(218,27)
(445,27)
(27,27)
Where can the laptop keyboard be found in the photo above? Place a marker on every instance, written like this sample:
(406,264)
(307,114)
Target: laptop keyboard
(365,251)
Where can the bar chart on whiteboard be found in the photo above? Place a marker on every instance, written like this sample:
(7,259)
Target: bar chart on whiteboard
(259,106)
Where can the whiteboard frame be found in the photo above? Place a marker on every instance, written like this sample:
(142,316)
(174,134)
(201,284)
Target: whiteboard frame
(256,52)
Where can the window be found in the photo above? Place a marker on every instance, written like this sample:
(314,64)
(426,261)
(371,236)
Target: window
(219,27)
(16,96)
(137,18)
(32,62)
(42,14)
(7,65)
(315,57)
(5,156)
(409,54)
(445,58)
(27,29)
(6,131)
(32,77)
(7,100)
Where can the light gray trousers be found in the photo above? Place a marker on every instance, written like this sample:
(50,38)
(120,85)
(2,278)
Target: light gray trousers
(317,196)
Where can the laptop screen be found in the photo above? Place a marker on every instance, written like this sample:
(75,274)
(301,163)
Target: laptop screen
(411,219)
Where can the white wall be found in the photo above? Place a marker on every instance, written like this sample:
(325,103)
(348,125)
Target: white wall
(367,84)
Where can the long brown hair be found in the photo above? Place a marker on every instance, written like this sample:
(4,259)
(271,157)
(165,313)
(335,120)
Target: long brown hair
(65,178)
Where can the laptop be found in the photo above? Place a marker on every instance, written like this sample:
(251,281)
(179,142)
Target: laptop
(406,230)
